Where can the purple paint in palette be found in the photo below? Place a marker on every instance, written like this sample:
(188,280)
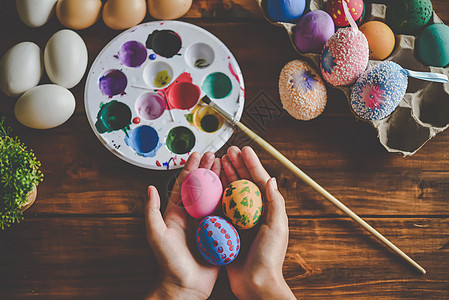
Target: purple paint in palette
(132,54)
(112,83)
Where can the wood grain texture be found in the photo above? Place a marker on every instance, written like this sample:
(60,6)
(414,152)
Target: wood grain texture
(84,237)
(108,258)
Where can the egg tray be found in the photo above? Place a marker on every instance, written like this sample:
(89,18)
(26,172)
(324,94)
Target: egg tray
(422,113)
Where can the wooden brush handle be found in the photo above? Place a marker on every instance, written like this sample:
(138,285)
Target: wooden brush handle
(303,176)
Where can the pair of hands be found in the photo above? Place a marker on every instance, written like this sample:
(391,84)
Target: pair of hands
(257,274)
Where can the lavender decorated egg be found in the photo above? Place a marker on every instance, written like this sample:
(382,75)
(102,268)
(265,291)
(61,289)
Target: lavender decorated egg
(377,93)
(217,240)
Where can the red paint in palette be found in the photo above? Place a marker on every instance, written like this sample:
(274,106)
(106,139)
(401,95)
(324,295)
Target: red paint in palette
(182,93)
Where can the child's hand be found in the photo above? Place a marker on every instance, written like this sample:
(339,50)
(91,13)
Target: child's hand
(170,238)
(258,275)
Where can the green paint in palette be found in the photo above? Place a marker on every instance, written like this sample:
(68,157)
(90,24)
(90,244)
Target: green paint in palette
(217,85)
(180,140)
(113,116)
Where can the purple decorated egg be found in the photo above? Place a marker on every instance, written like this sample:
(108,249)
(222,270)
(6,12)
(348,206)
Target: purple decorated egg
(217,240)
(313,30)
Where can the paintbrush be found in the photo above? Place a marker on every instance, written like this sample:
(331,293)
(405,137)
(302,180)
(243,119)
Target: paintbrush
(303,176)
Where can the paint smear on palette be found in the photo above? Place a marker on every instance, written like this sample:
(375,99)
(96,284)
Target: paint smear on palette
(112,83)
(166,43)
(231,69)
(180,140)
(217,85)
(132,54)
(113,116)
(182,93)
(144,140)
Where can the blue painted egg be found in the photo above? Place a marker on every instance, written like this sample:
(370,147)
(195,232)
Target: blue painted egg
(285,10)
(217,240)
(377,93)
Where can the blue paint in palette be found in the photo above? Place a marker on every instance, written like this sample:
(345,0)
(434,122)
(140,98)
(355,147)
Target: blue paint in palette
(144,140)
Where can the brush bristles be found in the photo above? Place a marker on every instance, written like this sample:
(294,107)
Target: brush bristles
(206,99)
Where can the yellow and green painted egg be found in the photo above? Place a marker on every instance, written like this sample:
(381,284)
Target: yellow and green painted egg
(242,203)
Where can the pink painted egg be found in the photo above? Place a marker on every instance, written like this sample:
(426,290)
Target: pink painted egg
(201,191)
(302,91)
(345,57)
(335,9)
(242,203)
(217,240)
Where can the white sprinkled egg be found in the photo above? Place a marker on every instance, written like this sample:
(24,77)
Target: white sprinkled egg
(345,57)
(377,93)
(302,91)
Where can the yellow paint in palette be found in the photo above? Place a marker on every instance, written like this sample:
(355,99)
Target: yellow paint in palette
(162,78)
(205,118)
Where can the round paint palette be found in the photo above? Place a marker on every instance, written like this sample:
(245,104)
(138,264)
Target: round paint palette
(143,94)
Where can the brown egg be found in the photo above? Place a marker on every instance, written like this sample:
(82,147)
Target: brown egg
(168,9)
(122,14)
(78,14)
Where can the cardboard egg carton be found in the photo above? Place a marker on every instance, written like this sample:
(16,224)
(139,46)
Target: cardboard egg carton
(424,110)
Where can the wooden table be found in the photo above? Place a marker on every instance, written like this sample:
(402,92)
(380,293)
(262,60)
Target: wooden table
(84,237)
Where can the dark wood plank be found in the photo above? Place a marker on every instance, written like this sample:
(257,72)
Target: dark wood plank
(49,257)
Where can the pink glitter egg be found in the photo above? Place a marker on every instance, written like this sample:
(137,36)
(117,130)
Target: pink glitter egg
(201,192)
(345,57)
(217,240)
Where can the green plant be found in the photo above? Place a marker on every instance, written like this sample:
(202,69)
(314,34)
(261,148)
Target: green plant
(19,171)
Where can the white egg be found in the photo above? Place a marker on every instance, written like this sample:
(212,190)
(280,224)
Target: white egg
(21,68)
(35,13)
(65,58)
(45,106)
